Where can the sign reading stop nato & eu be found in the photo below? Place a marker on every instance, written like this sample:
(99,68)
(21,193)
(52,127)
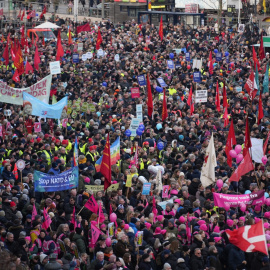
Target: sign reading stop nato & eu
(141,80)
(197,77)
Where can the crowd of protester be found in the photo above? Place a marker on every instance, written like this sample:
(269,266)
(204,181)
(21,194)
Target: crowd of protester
(105,83)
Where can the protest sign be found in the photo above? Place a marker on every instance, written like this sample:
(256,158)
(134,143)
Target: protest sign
(37,127)
(170,64)
(96,188)
(80,47)
(161,82)
(129,180)
(55,67)
(256,198)
(40,90)
(141,80)
(218,56)
(187,56)
(257,149)
(197,77)
(135,92)
(139,112)
(117,58)
(238,88)
(139,237)
(135,122)
(146,188)
(111,229)
(163,204)
(201,96)
(49,183)
(75,58)
(41,109)
(165,191)
(89,55)
(84,57)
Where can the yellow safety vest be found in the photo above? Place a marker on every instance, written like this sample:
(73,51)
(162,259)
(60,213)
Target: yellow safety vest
(48,157)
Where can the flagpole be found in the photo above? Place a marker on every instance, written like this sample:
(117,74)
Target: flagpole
(80,210)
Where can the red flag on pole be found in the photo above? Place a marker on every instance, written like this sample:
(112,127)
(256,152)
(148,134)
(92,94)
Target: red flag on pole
(92,205)
(260,112)
(23,14)
(95,233)
(247,143)
(249,238)
(73,220)
(251,86)
(255,59)
(210,64)
(99,40)
(20,14)
(44,11)
(217,101)
(105,167)
(244,167)
(83,28)
(266,143)
(261,50)
(15,172)
(164,107)
(6,55)
(190,101)
(60,51)
(149,98)
(16,76)
(225,102)
(231,140)
(18,61)
(36,59)
(226,117)
(69,37)
(160,32)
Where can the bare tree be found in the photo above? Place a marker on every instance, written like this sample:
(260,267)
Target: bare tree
(216,5)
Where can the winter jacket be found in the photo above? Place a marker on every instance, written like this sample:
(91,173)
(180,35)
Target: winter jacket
(79,239)
(196,263)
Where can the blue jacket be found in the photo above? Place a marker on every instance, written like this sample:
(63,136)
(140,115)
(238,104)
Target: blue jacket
(133,226)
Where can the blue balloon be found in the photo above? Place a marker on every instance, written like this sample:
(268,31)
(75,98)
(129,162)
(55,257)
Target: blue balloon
(98,114)
(247,192)
(104,84)
(171,55)
(266,195)
(128,132)
(181,137)
(159,126)
(159,89)
(226,53)
(142,127)
(139,132)
(215,50)
(160,146)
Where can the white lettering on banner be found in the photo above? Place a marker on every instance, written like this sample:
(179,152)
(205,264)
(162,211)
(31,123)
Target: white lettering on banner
(40,90)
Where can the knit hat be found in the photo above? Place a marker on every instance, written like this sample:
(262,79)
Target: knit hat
(200,222)
(203,227)
(148,225)
(42,257)
(257,208)
(171,221)
(12,204)
(217,229)
(157,231)
(182,219)
(159,218)
(229,222)
(217,239)
(133,220)
(126,227)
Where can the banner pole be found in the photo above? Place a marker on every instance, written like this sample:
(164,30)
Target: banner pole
(80,210)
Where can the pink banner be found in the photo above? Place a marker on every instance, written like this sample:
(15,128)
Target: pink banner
(95,232)
(92,205)
(64,122)
(47,220)
(256,198)
(37,127)
(135,92)
(165,191)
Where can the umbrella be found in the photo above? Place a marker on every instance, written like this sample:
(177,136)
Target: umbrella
(47,25)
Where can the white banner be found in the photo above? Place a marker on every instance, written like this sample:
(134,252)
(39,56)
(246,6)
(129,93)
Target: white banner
(201,96)
(55,67)
(257,150)
(40,90)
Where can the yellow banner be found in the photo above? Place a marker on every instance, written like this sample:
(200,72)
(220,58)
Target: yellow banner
(97,188)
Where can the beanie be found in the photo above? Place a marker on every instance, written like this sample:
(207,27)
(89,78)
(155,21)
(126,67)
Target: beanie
(12,204)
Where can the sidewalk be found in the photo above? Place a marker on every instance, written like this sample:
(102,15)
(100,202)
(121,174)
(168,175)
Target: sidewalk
(80,18)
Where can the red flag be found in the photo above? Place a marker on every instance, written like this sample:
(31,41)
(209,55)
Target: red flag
(105,167)
(44,11)
(92,205)
(217,101)
(247,143)
(226,117)
(225,102)
(150,106)
(60,51)
(210,64)
(16,76)
(95,233)
(251,86)
(266,143)
(261,50)
(155,212)
(18,61)
(12,50)
(43,41)
(15,172)
(47,220)
(229,144)
(244,167)
(160,32)
(69,37)
(20,14)
(249,238)
(164,107)
(85,27)
(36,59)
(6,55)
(23,14)
(1,11)
(34,212)
(255,59)
(260,112)
(190,101)
(99,40)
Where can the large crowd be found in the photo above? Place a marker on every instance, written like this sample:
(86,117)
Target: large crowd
(187,231)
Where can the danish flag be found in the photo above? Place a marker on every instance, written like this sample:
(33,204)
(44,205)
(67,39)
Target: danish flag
(249,238)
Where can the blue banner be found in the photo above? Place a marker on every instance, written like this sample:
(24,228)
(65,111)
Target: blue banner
(42,109)
(75,58)
(146,188)
(218,56)
(187,56)
(141,80)
(170,64)
(228,59)
(48,183)
(197,77)
(161,82)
